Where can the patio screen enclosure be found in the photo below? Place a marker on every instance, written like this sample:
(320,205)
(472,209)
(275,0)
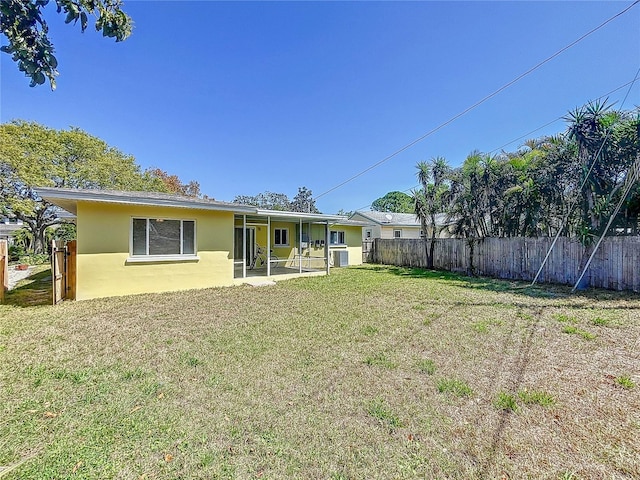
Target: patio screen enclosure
(276,245)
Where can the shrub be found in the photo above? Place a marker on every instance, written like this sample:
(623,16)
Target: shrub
(35,259)
(15,251)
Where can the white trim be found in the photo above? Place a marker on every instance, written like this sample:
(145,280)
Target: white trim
(172,257)
(338,232)
(399,230)
(277,214)
(274,237)
(268,246)
(162,258)
(138,198)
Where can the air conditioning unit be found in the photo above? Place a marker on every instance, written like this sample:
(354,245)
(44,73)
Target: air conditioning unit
(340,258)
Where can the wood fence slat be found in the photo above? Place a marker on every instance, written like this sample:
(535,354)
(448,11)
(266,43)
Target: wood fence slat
(70,272)
(4,268)
(616,265)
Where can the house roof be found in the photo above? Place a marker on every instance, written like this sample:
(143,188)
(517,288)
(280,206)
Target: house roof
(392,219)
(397,219)
(353,223)
(68,198)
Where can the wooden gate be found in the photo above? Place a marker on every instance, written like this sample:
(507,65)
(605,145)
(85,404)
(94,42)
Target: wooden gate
(63,270)
(367,248)
(4,269)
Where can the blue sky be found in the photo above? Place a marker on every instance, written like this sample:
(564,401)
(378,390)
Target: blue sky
(246,97)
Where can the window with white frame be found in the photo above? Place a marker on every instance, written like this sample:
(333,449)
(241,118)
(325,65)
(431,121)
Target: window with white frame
(281,237)
(367,233)
(337,237)
(162,237)
(397,234)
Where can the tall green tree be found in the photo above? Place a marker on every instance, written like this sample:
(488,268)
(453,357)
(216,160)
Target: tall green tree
(303,201)
(606,144)
(570,182)
(431,200)
(268,200)
(396,202)
(174,185)
(27,32)
(32,155)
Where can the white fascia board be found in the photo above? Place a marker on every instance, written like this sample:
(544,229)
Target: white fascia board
(65,196)
(316,217)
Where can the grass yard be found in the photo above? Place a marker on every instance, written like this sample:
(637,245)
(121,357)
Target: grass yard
(372,372)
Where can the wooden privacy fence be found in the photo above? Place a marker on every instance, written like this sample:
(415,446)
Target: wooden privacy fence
(4,269)
(63,270)
(616,264)
(367,249)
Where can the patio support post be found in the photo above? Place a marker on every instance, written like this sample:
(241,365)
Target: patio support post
(300,248)
(268,246)
(326,244)
(244,246)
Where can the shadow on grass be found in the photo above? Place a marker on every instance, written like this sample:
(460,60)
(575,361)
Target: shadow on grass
(524,288)
(32,291)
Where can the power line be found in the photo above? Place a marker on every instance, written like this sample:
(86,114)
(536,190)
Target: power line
(528,135)
(401,191)
(575,199)
(478,103)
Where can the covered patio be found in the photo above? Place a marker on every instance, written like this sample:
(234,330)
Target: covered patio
(283,244)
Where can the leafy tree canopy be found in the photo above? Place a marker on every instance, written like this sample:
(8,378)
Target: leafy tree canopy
(570,182)
(32,155)
(302,202)
(345,213)
(267,200)
(396,202)
(26,30)
(173,184)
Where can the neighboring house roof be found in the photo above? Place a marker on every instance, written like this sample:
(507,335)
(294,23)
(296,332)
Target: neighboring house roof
(7,229)
(68,199)
(353,223)
(398,219)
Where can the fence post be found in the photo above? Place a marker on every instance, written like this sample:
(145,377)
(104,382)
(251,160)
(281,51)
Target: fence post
(71,270)
(4,268)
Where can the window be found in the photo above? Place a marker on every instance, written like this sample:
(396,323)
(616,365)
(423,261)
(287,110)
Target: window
(281,237)
(161,237)
(397,234)
(336,237)
(367,233)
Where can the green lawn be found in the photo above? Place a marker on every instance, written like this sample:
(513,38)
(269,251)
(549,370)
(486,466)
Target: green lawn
(372,372)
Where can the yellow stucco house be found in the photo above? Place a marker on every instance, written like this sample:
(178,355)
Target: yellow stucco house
(142,242)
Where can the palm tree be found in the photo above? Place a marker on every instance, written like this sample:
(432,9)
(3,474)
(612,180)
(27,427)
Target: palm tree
(431,199)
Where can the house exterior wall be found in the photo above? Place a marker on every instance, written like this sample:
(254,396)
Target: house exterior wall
(386,231)
(104,232)
(353,243)
(285,252)
(313,254)
(375,232)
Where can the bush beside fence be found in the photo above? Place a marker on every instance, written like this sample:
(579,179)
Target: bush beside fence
(616,264)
